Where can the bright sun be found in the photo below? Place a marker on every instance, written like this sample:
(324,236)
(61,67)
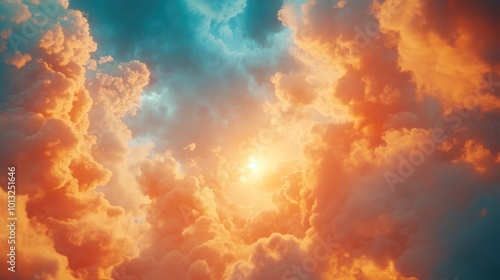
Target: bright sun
(247,190)
(253,164)
(255,168)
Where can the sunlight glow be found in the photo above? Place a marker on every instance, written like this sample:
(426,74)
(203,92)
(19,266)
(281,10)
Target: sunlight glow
(256,166)
(253,170)
(253,164)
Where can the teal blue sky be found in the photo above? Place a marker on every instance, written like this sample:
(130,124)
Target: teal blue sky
(204,59)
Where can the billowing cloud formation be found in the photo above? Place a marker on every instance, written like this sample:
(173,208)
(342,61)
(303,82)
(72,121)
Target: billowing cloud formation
(44,125)
(201,63)
(352,139)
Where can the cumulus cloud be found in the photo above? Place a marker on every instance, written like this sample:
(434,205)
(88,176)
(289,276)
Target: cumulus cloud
(203,76)
(141,151)
(45,121)
(394,106)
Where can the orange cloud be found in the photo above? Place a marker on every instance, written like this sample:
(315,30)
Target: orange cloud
(46,127)
(375,89)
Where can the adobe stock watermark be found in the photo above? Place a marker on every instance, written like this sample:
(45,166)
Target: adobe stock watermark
(45,13)
(321,252)
(364,36)
(425,149)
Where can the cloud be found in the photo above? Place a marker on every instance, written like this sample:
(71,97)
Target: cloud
(267,24)
(218,11)
(46,126)
(450,42)
(202,76)
(376,123)
(19,60)
(35,251)
(387,90)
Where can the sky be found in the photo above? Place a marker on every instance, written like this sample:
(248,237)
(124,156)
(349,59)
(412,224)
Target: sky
(251,139)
